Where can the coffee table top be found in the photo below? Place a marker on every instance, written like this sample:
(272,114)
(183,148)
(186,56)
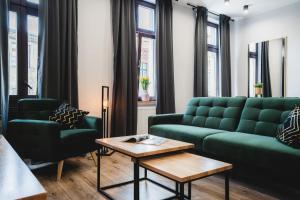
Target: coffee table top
(185,167)
(137,150)
(16,180)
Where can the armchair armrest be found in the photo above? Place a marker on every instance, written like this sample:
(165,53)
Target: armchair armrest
(90,122)
(165,119)
(35,139)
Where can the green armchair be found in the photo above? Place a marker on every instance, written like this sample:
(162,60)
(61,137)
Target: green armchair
(33,136)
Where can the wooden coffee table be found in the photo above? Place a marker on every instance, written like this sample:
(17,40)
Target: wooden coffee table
(137,152)
(16,179)
(185,168)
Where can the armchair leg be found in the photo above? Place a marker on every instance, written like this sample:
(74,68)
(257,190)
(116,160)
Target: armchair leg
(94,157)
(59,169)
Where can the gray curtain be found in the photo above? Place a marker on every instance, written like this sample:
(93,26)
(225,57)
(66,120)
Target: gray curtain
(225,56)
(57,72)
(200,68)
(125,90)
(265,70)
(4,63)
(164,58)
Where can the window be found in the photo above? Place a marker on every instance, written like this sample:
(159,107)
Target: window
(146,18)
(13,54)
(253,68)
(213,59)
(32,31)
(23,48)
(33,1)
(145,37)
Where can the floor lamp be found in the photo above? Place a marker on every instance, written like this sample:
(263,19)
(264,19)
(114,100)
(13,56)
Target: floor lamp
(105,115)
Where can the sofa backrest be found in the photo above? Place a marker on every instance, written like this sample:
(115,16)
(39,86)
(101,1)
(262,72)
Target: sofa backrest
(39,109)
(214,112)
(263,116)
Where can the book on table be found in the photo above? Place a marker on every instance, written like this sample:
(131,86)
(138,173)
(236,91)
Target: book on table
(145,139)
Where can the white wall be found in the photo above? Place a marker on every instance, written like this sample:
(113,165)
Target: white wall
(280,23)
(183,47)
(95,52)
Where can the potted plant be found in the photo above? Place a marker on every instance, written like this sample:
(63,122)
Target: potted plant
(258,89)
(145,82)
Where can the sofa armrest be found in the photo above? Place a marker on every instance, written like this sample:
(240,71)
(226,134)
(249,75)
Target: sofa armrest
(90,122)
(164,119)
(35,139)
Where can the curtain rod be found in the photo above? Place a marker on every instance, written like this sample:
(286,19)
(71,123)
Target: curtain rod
(213,13)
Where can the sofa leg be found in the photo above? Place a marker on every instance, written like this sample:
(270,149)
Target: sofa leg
(94,157)
(59,169)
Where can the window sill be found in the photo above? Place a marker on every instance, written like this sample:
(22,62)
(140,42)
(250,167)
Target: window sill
(146,103)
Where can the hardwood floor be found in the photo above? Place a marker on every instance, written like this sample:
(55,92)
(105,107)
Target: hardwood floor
(79,182)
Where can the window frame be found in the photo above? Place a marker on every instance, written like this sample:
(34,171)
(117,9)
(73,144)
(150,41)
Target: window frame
(22,8)
(147,5)
(142,33)
(215,49)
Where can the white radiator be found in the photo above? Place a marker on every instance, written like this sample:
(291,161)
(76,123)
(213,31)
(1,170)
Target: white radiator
(143,113)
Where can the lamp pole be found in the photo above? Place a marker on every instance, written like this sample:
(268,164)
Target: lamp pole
(105,114)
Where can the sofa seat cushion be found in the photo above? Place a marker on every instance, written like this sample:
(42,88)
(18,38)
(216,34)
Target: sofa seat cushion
(184,133)
(74,141)
(257,150)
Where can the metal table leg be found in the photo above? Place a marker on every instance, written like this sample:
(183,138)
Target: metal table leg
(227,174)
(146,173)
(98,169)
(181,191)
(189,190)
(136,183)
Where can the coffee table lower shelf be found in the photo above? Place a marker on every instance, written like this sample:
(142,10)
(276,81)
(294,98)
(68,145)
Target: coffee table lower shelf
(102,190)
(179,192)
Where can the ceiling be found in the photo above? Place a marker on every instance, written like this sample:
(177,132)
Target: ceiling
(235,7)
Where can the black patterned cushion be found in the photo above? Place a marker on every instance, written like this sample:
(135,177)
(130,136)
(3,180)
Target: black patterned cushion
(68,116)
(289,131)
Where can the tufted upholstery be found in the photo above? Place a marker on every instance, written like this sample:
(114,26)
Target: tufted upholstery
(216,113)
(34,136)
(226,129)
(263,116)
(36,109)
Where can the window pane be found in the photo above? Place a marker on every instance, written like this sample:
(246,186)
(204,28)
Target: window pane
(146,18)
(147,64)
(212,74)
(211,35)
(33,1)
(151,1)
(32,25)
(13,54)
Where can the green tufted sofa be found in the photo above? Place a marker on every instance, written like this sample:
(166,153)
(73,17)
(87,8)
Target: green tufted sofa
(236,129)
(33,136)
